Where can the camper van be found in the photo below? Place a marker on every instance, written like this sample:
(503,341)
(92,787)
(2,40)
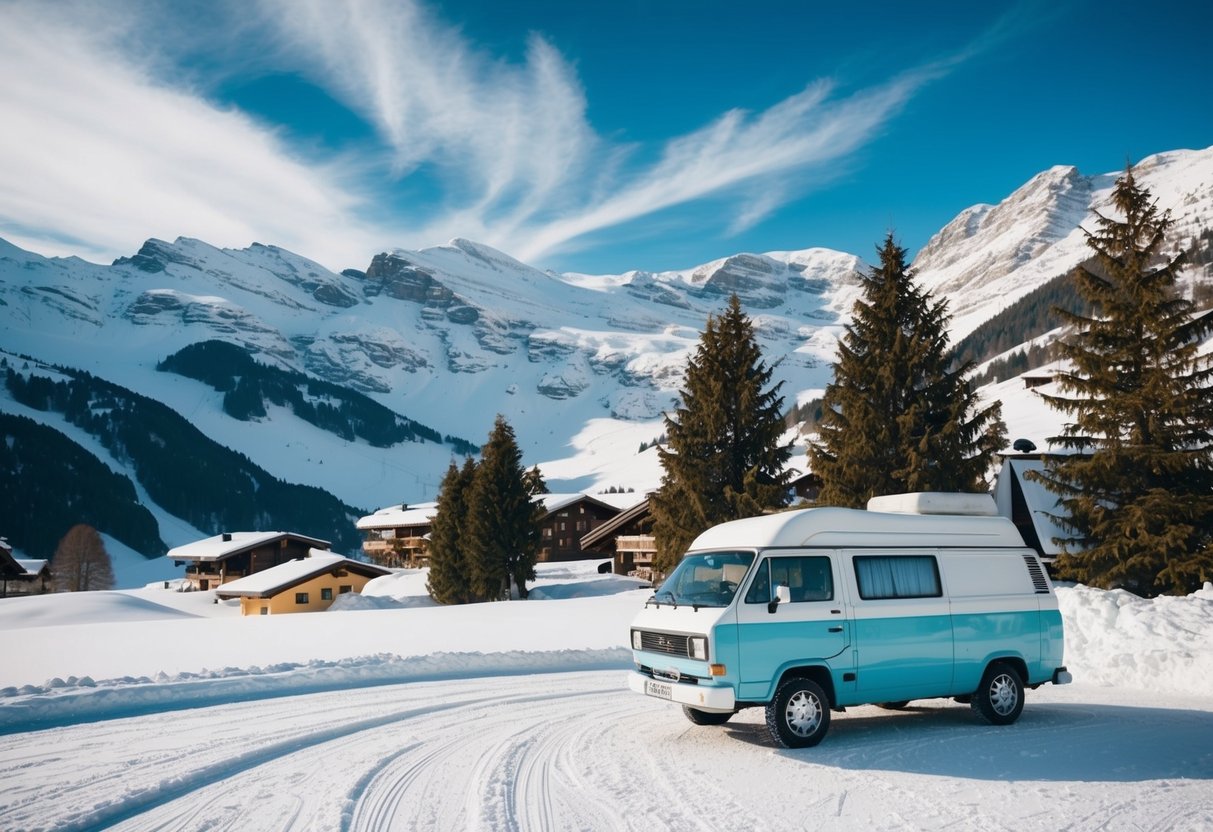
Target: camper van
(810,611)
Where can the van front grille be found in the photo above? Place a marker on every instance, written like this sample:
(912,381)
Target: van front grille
(671,644)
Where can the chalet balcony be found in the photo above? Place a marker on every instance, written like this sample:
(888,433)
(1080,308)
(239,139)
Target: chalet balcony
(640,545)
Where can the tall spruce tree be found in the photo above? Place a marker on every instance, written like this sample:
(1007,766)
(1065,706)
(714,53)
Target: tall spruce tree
(502,529)
(723,457)
(1137,492)
(449,581)
(899,416)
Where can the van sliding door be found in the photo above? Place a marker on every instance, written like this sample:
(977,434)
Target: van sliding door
(903,627)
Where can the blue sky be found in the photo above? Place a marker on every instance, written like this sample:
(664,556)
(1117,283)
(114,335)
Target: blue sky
(593,137)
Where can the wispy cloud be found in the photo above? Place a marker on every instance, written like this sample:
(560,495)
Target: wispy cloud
(97,156)
(103,149)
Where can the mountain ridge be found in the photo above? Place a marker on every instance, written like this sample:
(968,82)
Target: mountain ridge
(454,334)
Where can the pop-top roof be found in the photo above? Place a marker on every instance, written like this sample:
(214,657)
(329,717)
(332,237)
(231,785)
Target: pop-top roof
(848,527)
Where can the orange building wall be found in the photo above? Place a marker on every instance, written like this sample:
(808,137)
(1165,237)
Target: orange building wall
(284,602)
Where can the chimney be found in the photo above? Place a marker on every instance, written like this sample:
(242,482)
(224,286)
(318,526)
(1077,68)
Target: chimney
(227,537)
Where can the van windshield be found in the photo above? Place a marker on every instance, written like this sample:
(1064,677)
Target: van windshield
(705,580)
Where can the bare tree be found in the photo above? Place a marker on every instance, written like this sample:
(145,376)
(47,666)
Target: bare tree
(81,562)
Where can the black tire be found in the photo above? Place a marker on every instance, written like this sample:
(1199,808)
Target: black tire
(893,706)
(999,698)
(799,715)
(705,717)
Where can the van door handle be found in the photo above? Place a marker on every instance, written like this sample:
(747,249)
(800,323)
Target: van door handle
(836,629)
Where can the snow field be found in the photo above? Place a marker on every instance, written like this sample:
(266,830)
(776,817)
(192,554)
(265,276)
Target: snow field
(398,714)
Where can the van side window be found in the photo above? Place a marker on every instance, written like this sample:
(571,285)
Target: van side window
(897,576)
(760,589)
(807,579)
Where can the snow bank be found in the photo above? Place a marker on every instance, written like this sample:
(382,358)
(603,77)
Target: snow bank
(68,608)
(73,700)
(1159,644)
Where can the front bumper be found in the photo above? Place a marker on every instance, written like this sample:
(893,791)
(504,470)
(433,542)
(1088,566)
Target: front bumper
(702,697)
(1061,676)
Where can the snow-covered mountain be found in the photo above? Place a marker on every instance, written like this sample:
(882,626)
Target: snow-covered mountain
(989,256)
(581,365)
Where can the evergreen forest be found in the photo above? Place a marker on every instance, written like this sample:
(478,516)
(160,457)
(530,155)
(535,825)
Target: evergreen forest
(48,484)
(210,486)
(247,385)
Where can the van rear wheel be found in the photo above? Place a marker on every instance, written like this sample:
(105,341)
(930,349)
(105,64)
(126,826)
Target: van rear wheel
(799,715)
(999,698)
(705,717)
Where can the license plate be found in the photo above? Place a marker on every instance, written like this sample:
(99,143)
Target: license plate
(658,689)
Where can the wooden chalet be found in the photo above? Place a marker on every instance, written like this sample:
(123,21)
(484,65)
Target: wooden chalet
(806,487)
(36,580)
(396,536)
(308,584)
(10,570)
(215,561)
(569,518)
(628,538)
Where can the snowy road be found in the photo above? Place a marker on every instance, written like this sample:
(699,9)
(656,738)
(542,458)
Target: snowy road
(578,751)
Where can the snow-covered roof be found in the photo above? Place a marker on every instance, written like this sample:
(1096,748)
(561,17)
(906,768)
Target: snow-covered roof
(230,543)
(555,502)
(622,500)
(418,514)
(1040,501)
(422,514)
(32,568)
(291,573)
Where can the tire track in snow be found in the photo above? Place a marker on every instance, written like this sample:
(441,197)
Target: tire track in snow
(578,751)
(501,763)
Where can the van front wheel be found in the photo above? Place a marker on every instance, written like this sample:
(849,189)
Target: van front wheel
(705,717)
(999,699)
(799,715)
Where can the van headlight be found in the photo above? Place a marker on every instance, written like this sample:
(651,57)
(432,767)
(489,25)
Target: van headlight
(697,647)
(637,644)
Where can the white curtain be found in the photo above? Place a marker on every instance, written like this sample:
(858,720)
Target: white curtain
(897,577)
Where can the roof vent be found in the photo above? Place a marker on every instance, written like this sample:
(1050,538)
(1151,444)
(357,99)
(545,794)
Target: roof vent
(227,537)
(936,502)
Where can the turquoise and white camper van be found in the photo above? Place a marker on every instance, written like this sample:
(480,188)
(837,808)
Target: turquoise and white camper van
(922,595)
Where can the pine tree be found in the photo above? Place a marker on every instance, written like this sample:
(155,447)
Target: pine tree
(502,529)
(534,482)
(898,417)
(449,581)
(723,457)
(81,563)
(1137,493)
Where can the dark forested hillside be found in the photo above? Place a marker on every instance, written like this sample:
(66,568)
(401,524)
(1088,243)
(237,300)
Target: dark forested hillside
(48,484)
(247,385)
(212,487)
(1030,316)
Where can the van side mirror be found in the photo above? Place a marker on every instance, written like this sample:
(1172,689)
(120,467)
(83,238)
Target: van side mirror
(782,596)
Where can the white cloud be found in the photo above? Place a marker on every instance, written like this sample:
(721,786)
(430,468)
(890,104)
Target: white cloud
(94,151)
(513,140)
(101,150)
